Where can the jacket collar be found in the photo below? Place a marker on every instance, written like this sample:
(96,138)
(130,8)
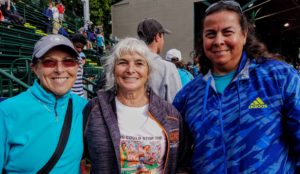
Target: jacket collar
(158,113)
(241,73)
(47,97)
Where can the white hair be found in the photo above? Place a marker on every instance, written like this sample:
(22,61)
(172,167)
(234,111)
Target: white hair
(127,45)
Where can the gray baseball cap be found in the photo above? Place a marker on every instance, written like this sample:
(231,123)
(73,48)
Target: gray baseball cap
(46,43)
(149,27)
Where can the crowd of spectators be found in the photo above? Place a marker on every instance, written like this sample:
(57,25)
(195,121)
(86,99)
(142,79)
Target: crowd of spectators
(9,13)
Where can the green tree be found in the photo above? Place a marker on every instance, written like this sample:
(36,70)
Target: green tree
(100,14)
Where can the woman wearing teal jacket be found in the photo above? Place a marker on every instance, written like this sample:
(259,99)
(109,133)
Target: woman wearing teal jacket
(31,122)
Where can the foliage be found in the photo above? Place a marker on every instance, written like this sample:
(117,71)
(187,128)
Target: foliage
(99,10)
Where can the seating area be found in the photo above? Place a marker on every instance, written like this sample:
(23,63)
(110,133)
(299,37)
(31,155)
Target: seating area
(16,47)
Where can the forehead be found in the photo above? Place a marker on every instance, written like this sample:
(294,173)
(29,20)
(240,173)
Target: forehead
(131,56)
(58,52)
(222,19)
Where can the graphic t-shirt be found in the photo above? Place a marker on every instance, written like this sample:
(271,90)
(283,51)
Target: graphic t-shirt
(143,143)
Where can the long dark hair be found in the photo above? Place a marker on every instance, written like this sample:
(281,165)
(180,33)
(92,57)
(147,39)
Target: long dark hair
(253,47)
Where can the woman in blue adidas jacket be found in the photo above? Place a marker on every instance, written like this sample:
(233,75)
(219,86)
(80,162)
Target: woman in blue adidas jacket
(244,112)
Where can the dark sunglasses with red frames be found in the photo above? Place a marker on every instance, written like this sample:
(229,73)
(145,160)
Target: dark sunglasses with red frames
(51,63)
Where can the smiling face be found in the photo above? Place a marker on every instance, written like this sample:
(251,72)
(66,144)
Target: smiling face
(60,78)
(131,73)
(223,40)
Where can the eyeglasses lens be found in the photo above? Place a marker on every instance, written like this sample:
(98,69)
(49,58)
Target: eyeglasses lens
(49,63)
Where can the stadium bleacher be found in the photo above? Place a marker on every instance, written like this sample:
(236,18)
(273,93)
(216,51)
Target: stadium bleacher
(16,46)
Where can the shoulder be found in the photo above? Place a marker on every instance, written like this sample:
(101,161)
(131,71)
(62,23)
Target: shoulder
(102,96)
(157,102)
(272,67)
(168,66)
(15,102)
(194,88)
(79,101)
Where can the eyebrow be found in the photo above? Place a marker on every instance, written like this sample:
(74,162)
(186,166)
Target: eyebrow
(68,57)
(211,29)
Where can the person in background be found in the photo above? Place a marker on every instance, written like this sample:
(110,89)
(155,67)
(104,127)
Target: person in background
(79,41)
(61,11)
(1,14)
(174,56)
(196,65)
(128,114)
(48,13)
(244,112)
(64,30)
(166,82)
(100,43)
(10,11)
(31,122)
(56,23)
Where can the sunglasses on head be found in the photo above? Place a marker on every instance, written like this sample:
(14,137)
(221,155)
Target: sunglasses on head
(51,63)
(224,2)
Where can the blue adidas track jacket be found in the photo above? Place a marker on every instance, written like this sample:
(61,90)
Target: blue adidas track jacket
(253,127)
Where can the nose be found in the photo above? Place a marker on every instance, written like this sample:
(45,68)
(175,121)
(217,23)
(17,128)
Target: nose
(59,68)
(131,68)
(79,49)
(219,40)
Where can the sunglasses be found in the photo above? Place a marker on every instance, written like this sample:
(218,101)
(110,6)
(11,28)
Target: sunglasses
(224,2)
(51,63)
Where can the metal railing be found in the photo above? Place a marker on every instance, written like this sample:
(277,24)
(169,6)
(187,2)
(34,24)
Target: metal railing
(11,88)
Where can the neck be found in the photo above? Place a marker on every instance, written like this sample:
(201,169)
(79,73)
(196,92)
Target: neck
(223,70)
(153,47)
(133,99)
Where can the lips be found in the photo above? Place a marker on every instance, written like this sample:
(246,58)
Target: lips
(128,78)
(60,79)
(220,52)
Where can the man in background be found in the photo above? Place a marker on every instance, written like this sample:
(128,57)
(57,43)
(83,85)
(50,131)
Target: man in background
(166,81)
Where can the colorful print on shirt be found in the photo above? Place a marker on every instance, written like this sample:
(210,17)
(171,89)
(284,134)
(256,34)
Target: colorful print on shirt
(140,154)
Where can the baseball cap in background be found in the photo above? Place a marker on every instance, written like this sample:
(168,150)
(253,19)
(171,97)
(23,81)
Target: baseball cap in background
(149,27)
(173,53)
(46,43)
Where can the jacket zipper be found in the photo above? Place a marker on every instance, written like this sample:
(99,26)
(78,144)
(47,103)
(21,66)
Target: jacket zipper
(56,116)
(167,137)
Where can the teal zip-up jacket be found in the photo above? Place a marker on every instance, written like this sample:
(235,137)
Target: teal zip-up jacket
(30,127)
(253,127)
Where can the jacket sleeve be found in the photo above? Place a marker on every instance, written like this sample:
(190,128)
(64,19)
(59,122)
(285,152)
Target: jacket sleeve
(3,141)
(185,149)
(86,114)
(291,94)
(185,143)
(181,99)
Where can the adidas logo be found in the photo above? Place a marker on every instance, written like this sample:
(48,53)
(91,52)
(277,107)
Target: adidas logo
(257,103)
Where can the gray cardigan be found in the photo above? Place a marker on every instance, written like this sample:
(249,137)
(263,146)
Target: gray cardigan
(103,136)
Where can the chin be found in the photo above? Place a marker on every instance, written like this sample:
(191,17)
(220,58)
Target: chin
(132,88)
(61,93)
